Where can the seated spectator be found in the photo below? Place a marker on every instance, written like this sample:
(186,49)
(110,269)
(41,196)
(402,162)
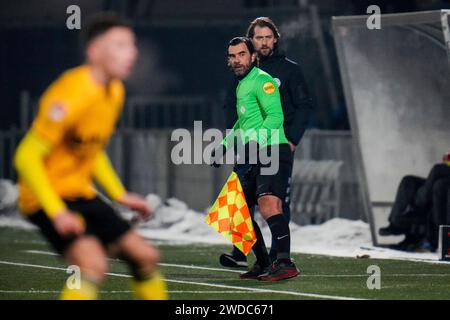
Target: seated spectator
(420,207)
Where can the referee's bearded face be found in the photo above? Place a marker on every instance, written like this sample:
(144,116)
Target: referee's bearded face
(116,52)
(264,41)
(240,59)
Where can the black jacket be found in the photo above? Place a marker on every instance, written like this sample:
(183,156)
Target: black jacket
(295,97)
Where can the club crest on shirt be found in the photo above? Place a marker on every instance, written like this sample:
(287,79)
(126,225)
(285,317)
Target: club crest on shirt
(242,109)
(278,81)
(57,112)
(269,87)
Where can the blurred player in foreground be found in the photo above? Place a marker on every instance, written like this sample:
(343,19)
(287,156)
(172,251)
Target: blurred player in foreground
(63,152)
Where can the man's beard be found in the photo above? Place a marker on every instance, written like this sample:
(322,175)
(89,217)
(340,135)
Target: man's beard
(267,52)
(246,70)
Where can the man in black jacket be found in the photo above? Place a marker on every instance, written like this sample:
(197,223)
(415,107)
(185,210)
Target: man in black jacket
(295,100)
(420,207)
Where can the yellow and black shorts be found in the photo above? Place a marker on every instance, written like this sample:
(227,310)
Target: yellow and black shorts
(101,221)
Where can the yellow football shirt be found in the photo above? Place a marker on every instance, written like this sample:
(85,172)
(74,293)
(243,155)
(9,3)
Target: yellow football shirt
(77,116)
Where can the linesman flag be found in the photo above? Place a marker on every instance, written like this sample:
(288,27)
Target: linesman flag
(230,215)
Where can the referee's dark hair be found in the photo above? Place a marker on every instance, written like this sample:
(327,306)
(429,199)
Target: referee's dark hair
(263,22)
(101,23)
(237,40)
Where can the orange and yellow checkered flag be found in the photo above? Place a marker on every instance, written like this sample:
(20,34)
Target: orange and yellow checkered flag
(230,215)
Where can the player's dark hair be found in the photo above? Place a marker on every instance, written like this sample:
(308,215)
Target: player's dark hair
(101,23)
(262,22)
(237,40)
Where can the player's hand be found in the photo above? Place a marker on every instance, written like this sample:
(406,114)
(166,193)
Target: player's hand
(68,224)
(137,203)
(293,146)
(217,156)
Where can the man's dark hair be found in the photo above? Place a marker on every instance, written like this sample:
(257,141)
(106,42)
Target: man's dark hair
(101,23)
(262,22)
(237,40)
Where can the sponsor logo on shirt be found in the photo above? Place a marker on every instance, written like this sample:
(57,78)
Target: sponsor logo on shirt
(269,87)
(57,112)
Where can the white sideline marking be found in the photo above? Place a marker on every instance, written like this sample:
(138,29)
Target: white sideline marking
(209,291)
(54,291)
(125,291)
(293,293)
(302,275)
(198,268)
(161,264)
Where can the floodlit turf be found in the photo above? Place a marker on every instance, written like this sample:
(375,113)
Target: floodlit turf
(322,276)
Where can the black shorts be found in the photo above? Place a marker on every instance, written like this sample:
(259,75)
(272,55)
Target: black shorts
(255,184)
(101,221)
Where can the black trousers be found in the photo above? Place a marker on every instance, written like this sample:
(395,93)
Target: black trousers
(424,198)
(404,198)
(428,198)
(440,210)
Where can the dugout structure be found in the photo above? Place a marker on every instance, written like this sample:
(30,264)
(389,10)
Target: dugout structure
(397,88)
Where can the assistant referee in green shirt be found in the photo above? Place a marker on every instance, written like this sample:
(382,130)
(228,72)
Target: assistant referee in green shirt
(260,128)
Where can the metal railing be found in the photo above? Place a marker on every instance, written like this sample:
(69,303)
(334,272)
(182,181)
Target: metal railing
(148,112)
(8,143)
(316,191)
(170,112)
(324,185)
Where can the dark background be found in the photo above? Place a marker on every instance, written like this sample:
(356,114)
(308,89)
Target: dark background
(182,46)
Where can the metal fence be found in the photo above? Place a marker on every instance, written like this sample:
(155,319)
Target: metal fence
(149,112)
(316,191)
(324,183)
(8,142)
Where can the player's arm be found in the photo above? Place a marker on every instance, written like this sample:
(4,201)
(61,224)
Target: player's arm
(106,176)
(298,89)
(217,154)
(229,138)
(269,99)
(58,109)
(29,163)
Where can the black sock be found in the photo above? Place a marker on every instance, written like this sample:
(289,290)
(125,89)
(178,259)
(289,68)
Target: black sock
(259,248)
(238,254)
(273,254)
(281,235)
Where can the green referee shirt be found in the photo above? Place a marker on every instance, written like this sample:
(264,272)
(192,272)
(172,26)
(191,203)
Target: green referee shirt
(260,115)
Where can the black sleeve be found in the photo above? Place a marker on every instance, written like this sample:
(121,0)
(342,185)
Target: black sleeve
(229,105)
(302,104)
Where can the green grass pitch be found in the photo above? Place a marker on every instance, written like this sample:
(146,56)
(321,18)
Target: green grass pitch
(29,270)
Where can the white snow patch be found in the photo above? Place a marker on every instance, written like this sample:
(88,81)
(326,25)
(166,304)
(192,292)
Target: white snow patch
(173,221)
(8,195)
(337,237)
(15,221)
